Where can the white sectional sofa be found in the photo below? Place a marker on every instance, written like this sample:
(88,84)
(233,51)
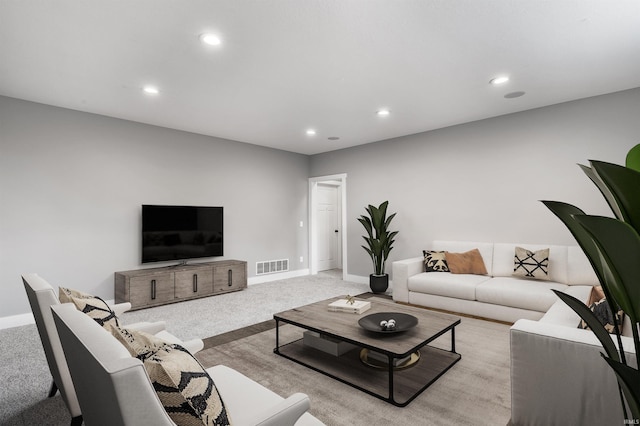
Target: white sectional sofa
(498,295)
(558,376)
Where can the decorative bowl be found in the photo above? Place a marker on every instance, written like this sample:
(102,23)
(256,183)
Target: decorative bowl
(404,322)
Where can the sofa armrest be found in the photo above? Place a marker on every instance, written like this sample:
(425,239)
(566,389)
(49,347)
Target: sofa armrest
(559,377)
(402,270)
(285,413)
(120,308)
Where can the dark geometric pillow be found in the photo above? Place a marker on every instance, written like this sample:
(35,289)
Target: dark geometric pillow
(602,311)
(186,390)
(531,264)
(435,261)
(93,306)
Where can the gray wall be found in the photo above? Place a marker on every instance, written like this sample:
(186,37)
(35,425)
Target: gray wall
(481,181)
(72,183)
(71,186)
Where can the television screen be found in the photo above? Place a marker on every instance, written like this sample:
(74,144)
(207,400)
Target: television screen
(181,232)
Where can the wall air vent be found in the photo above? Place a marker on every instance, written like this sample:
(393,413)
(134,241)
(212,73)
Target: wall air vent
(272,266)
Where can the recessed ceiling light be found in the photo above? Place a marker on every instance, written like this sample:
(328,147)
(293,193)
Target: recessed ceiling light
(150,90)
(333,138)
(311,132)
(499,80)
(210,39)
(383,112)
(513,95)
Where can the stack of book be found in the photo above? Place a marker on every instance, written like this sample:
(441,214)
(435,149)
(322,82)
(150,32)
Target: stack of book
(384,359)
(351,306)
(326,344)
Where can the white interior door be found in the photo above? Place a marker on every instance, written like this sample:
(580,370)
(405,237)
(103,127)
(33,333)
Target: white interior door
(328,221)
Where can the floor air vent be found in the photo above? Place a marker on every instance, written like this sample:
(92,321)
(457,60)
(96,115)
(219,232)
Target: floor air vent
(271,266)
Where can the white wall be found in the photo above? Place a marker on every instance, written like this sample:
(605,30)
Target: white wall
(481,181)
(72,183)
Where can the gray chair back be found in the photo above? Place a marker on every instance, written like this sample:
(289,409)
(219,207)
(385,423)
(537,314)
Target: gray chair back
(113,387)
(41,297)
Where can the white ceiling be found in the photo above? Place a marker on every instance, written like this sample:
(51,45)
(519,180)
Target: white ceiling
(289,65)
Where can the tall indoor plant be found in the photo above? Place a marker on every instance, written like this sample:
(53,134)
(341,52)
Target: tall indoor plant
(379,243)
(612,246)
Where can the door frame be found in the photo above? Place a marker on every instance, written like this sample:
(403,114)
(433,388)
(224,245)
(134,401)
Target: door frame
(313,221)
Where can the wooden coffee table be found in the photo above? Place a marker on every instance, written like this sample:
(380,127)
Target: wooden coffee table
(396,384)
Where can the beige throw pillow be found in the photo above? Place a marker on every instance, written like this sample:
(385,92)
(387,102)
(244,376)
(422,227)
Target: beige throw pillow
(469,262)
(531,264)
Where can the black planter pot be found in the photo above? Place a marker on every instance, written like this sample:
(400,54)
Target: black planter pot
(379,283)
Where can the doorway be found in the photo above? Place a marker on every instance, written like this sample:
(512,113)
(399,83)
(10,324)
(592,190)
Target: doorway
(327,224)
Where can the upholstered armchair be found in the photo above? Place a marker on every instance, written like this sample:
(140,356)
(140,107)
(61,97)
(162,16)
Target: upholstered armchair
(115,389)
(41,297)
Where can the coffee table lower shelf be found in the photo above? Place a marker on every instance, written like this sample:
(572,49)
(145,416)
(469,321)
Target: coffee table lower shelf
(398,387)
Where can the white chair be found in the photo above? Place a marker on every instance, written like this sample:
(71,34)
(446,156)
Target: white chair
(114,388)
(41,297)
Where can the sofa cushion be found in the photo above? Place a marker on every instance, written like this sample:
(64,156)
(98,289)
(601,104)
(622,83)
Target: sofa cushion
(93,306)
(531,264)
(459,286)
(518,293)
(184,387)
(469,262)
(560,313)
(435,261)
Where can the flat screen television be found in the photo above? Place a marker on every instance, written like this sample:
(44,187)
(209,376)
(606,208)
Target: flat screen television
(181,232)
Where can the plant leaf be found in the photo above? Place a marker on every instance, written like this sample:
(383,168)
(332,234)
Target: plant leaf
(623,183)
(366,222)
(619,246)
(632,160)
(608,196)
(629,380)
(566,213)
(380,240)
(592,321)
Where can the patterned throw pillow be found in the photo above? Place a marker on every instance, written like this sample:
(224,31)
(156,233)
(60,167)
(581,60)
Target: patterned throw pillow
(93,306)
(602,311)
(435,261)
(531,264)
(186,390)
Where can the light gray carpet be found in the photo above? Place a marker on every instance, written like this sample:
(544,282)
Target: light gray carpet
(210,316)
(25,377)
(475,391)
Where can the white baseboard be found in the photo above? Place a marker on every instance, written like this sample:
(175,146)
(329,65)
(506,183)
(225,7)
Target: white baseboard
(24,319)
(279,276)
(16,320)
(357,279)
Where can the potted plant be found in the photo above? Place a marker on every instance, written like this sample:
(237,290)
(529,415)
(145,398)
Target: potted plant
(612,246)
(379,243)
